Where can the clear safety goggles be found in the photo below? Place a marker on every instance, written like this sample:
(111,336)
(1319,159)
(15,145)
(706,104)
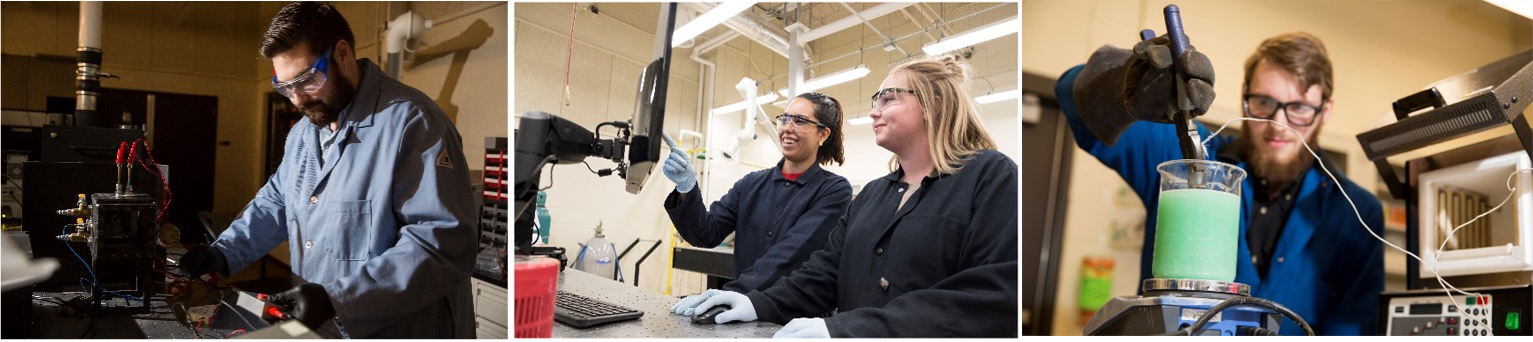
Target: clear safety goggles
(309,82)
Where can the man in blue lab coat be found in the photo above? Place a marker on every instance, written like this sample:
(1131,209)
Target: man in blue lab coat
(1300,244)
(372,195)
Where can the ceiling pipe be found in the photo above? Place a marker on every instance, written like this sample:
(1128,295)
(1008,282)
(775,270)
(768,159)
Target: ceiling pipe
(851,21)
(757,28)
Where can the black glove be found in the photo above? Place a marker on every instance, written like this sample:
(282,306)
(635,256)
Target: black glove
(200,260)
(308,303)
(1119,86)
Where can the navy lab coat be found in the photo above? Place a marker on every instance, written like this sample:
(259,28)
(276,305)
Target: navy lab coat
(943,265)
(1326,267)
(777,222)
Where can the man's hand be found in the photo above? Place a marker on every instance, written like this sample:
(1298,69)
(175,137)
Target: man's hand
(740,307)
(804,328)
(308,303)
(200,260)
(1120,86)
(687,306)
(678,168)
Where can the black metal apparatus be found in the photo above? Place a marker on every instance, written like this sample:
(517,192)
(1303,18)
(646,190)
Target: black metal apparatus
(543,139)
(122,234)
(1478,100)
(1487,97)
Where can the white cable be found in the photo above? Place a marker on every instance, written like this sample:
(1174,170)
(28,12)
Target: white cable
(1440,281)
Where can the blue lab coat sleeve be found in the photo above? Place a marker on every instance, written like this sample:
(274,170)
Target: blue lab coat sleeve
(702,227)
(260,227)
(806,236)
(1141,147)
(436,246)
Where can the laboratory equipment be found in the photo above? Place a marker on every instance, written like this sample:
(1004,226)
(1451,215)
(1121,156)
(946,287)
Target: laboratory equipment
(598,256)
(1197,228)
(1497,311)
(1196,241)
(544,138)
(583,312)
(1446,188)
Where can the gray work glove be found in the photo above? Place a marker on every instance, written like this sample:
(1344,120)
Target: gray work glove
(678,167)
(740,308)
(804,328)
(1118,87)
(687,306)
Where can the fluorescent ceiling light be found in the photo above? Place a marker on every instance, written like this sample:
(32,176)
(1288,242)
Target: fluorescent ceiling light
(737,106)
(1521,7)
(998,97)
(714,17)
(861,120)
(975,36)
(828,80)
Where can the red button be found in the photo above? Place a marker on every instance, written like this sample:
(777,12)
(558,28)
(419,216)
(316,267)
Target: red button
(1452,320)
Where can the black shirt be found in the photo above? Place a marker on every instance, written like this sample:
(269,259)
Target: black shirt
(1268,213)
(944,264)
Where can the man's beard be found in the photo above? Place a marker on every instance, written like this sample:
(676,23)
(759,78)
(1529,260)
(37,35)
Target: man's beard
(325,112)
(1266,165)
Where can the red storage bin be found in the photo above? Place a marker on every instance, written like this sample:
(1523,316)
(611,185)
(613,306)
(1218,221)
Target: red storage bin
(537,283)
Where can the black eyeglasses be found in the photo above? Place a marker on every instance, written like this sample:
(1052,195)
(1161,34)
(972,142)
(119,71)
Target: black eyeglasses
(797,121)
(886,95)
(1265,107)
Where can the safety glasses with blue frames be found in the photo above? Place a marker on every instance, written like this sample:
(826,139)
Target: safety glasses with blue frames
(308,82)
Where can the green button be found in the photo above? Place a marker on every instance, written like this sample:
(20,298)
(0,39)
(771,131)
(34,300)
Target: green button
(1468,301)
(1512,321)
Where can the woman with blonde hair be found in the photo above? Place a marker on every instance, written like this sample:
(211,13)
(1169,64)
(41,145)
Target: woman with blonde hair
(929,250)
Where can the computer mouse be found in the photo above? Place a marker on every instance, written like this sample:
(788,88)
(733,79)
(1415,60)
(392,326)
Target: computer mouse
(706,317)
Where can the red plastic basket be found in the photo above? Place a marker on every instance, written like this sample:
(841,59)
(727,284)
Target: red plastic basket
(537,280)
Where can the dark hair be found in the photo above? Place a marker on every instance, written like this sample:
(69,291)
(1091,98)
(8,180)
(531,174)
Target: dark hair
(828,112)
(317,23)
(1299,53)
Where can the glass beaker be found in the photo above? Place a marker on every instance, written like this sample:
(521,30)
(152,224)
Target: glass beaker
(1197,222)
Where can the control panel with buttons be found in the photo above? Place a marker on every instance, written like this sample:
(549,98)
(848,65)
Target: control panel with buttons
(1491,311)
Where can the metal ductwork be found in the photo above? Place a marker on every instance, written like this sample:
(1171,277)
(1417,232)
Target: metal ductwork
(88,64)
(757,28)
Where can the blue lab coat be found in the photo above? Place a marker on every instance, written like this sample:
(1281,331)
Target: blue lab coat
(777,222)
(1326,267)
(387,224)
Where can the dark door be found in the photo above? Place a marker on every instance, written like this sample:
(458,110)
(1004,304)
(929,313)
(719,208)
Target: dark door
(1046,146)
(183,135)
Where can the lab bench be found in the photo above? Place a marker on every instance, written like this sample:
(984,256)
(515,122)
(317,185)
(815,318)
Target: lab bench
(657,322)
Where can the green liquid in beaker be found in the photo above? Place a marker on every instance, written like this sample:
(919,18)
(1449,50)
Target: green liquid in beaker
(1196,232)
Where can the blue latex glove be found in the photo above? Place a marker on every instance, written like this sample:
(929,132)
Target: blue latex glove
(677,167)
(687,305)
(803,328)
(740,307)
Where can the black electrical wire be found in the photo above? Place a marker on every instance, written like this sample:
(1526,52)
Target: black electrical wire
(1237,301)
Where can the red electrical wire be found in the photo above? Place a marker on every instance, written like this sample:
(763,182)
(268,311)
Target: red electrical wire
(570,54)
(165,183)
(231,333)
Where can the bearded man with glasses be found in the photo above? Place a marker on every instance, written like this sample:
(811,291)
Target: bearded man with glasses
(1300,244)
(372,196)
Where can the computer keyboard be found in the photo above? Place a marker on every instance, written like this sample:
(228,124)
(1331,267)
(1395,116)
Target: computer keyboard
(581,312)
